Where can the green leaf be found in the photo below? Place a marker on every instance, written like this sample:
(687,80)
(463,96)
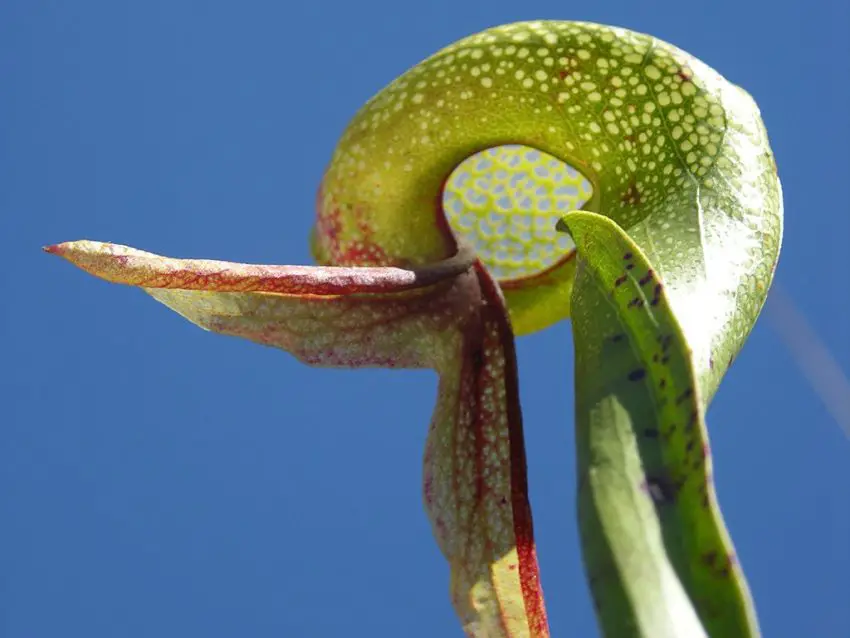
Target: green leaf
(658,557)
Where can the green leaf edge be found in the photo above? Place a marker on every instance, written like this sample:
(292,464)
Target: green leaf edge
(655,457)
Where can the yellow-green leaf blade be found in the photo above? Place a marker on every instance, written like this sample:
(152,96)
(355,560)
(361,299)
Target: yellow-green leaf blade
(644,458)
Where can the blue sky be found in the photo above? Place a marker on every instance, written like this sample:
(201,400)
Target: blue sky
(162,481)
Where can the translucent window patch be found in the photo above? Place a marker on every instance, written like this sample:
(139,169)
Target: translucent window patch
(506,200)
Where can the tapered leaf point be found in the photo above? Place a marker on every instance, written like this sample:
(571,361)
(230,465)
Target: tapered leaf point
(571,223)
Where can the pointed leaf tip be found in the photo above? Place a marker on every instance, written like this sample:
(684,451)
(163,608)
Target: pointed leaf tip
(565,222)
(561,225)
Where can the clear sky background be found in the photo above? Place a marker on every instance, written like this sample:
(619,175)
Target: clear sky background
(160,481)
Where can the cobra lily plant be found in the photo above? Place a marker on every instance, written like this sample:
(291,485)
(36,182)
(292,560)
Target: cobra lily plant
(660,245)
